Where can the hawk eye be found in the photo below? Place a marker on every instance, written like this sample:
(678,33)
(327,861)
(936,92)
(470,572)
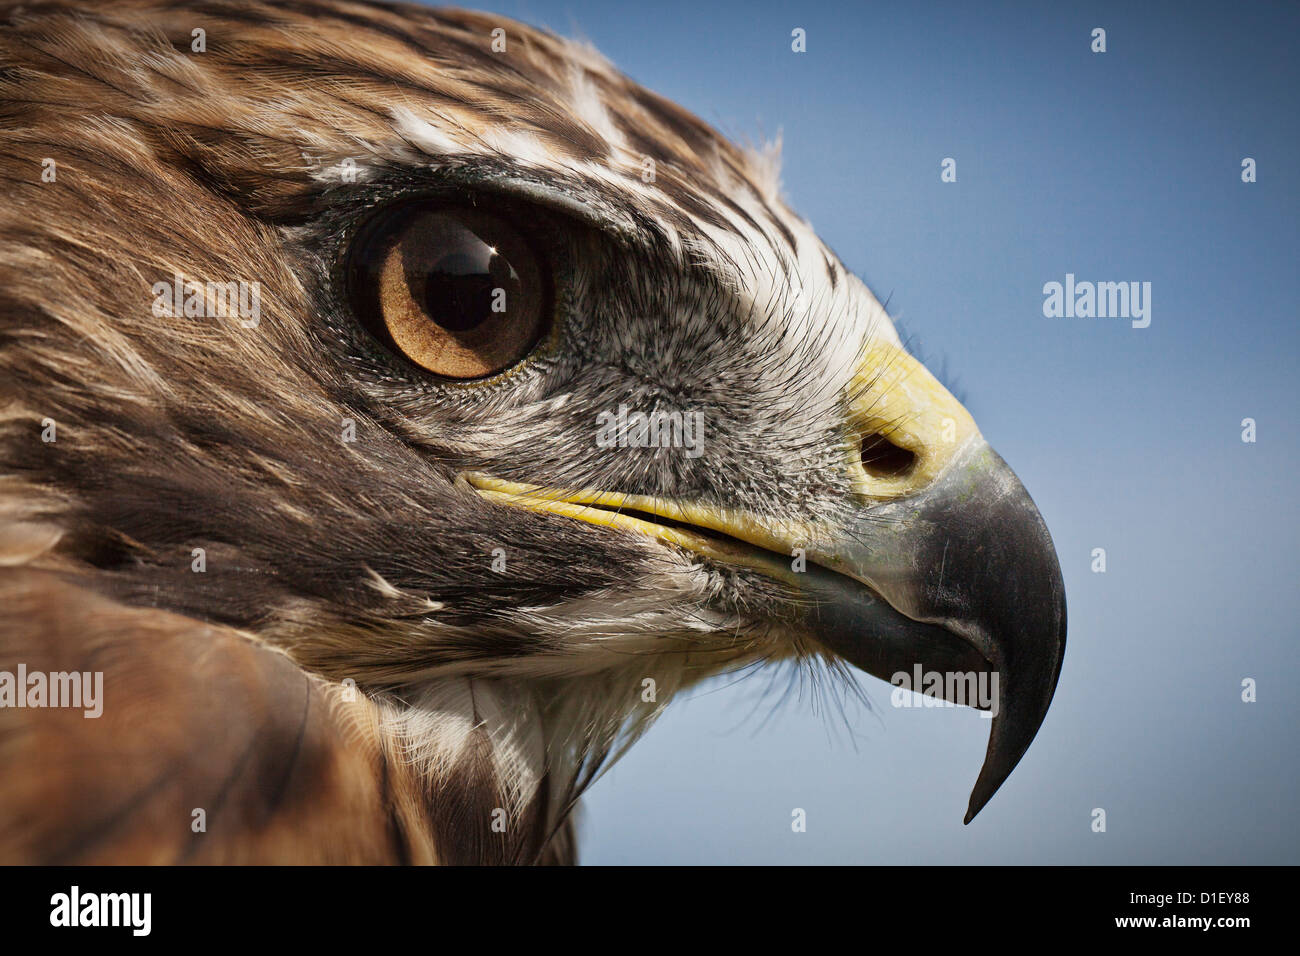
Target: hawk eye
(455,289)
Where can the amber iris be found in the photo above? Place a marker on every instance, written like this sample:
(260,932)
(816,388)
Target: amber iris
(456,290)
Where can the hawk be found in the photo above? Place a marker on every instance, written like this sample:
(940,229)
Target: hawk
(400,406)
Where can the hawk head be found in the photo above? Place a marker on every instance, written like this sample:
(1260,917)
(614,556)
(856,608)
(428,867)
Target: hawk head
(404,404)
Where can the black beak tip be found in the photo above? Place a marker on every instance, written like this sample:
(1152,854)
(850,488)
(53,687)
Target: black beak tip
(1025,703)
(979,798)
(985,786)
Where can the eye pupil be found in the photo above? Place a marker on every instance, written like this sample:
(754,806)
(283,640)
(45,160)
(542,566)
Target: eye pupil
(470,283)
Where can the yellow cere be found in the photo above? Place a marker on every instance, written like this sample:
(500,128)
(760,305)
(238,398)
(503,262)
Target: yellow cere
(898,398)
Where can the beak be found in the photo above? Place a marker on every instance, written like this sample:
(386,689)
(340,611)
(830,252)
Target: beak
(961,575)
(939,563)
(962,582)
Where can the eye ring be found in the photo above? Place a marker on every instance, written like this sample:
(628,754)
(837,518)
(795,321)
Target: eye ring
(453,288)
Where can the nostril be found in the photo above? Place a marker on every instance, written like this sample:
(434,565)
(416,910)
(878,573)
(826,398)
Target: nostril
(881,458)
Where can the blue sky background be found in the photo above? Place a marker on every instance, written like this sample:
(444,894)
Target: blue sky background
(1115,166)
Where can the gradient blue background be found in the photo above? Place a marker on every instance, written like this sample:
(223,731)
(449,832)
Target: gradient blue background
(1119,166)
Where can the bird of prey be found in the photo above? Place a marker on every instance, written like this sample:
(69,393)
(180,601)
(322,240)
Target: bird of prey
(398,407)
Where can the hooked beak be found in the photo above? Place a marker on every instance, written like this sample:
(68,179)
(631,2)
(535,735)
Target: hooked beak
(944,566)
(963,582)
